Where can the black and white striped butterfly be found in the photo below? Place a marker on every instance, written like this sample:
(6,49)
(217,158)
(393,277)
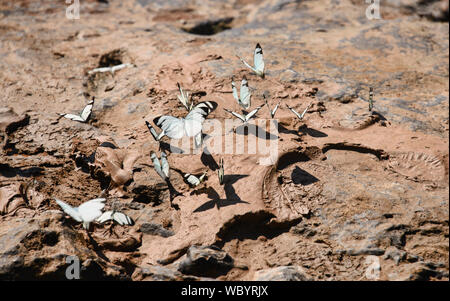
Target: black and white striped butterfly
(244,99)
(119,217)
(86,212)
(190,126)
(272,112)
(258,61)
(85,114)
(297,114)
(193,180)
(162,168)
(245,118)
(184,99)
(220,171)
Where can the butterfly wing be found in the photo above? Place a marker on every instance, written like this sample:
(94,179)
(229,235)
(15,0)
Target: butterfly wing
(106,216)
(73,117)
(220,172)
(183,97)
(295,112)
(122,218)
(192,180)
(234,89)
(165,165)
(193,122)
(202,176)
(73,212)
(152,130)
(304,112)
(246,64)
(245,95)
(198,140)
(242,118)
(87,111)
(252,113)
(275,110)
(91,209)
(172,127)
(258,60)
(157,166)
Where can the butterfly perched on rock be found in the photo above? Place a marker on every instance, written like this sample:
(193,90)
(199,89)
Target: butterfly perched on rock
(244,98)
(85,114)
(194,180)
(189,126)
(118,217)
(299,116)
(272,112)
(184,98)
(247,117)
(258,61)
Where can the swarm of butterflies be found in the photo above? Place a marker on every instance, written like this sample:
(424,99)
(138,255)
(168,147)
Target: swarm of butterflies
(177,128)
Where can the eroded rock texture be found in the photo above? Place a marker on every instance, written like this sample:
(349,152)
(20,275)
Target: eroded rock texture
(351,194)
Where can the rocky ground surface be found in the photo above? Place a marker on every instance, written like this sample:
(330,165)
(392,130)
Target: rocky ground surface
(352,195)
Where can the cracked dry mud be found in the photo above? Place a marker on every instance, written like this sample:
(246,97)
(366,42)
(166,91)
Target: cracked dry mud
(347,186)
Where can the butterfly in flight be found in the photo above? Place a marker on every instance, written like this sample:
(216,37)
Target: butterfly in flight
(85,114)
(245,97)
(86,212)
(299,116)
(258,61)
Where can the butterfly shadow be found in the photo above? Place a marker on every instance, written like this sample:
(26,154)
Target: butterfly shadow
(170,148)
(173,193)
(311,132)
(379,115)
(245,129)
(230,193)
(208,160)
(300,176)
(284,130)
(215,201)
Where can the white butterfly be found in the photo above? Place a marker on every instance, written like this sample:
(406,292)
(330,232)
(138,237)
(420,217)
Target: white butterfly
(258,61)
(162,168)
(297,114)
(220,171)
(245,118)
(85,114)
(245,96)
(190,126)
(119,217)
(112,69)
(184,99)
(194,181)
(86,212)
(272,112)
